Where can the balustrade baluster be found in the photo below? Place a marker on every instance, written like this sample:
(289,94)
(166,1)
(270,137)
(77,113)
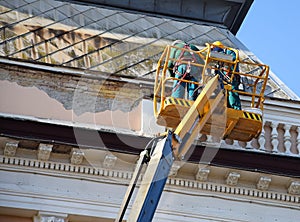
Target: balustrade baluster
(298,140)
(254,143)
(287,138)
(274,137)
(229,141)
(262,140)
(242,144)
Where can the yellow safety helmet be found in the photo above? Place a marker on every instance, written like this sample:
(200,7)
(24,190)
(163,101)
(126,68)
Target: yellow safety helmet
(218,43)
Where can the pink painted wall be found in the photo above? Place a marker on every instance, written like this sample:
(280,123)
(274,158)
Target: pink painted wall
(30,101)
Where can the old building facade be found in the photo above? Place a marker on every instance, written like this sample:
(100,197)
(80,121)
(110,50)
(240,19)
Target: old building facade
(76,110)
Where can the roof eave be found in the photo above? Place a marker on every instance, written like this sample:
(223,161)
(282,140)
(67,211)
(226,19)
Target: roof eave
(235,26)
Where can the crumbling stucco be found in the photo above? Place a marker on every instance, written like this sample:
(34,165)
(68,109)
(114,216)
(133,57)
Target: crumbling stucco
(79,93)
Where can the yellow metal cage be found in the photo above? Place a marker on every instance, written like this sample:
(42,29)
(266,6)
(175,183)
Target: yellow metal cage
(225,122)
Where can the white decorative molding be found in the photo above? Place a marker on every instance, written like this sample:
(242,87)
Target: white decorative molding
(233,178)
(44,151)
(10,148)
(50,217)
(109,161)
(200,183)
(76,156)
(223,188)
(294,188)
(202,174)
(263,183)
(174,169)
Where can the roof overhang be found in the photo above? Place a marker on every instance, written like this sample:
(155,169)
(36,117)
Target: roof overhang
(229,13)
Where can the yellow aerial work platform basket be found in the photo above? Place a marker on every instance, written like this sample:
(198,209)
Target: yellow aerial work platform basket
(225,121)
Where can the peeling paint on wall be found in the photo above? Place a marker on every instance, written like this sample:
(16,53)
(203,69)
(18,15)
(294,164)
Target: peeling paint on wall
(76,93)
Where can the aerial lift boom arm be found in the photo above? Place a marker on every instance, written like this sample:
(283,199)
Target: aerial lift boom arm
(173,146)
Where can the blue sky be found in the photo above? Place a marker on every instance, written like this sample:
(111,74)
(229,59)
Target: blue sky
(271,31)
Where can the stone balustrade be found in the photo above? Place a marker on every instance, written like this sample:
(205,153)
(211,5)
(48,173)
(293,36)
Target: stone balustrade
(281,129)
(276,138)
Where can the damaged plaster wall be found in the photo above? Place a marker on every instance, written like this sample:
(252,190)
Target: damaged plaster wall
(63,96)
(78,93)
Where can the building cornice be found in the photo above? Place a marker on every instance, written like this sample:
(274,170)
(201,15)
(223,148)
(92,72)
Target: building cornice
(281,192)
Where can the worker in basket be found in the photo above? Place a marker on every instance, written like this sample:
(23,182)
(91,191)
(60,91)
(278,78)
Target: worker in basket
(226,73)
(182,69)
